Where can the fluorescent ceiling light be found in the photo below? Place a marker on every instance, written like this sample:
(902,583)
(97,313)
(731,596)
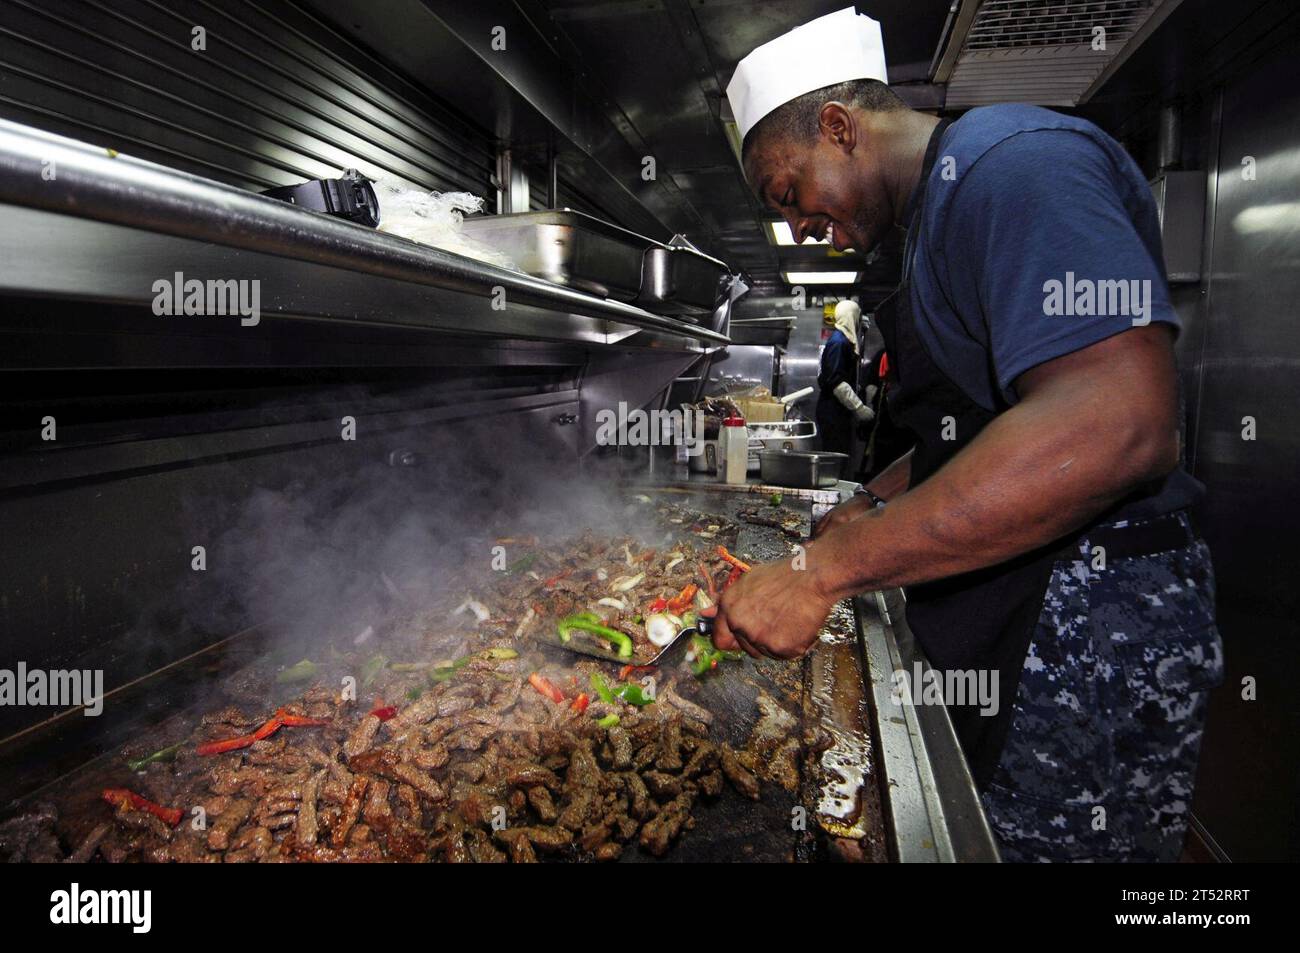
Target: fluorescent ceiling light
(781,235)
(821,277)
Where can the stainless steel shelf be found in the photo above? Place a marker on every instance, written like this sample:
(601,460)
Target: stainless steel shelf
(79,222)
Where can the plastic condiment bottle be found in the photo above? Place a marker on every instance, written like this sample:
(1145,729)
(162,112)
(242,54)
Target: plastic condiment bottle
(734,450)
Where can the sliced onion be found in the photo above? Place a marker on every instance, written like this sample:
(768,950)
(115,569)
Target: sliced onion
(522,627)
(661,629)
(602,575)
(677,559)
(624,583)
(702,600)
(627,553)
(480,611)
(613,603)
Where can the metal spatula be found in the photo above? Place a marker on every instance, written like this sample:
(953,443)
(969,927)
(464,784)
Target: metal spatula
(589,643)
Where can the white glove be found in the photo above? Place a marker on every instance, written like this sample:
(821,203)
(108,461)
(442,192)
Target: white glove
(861,412)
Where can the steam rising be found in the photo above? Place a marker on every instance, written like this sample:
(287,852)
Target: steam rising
(319,554)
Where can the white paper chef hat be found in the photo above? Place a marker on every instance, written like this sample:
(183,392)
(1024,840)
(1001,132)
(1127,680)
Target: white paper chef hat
(831,49)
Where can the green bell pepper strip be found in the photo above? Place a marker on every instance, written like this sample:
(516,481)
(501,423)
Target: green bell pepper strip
(299,672)
(499,654)
(631,693)
(370,671)
(602,689)
(609,721)
(588,622)
(570,622)
(522,564)
(706,654)
(166,754)
(445,673)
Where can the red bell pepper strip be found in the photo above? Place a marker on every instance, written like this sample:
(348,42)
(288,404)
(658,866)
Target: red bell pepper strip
(226,744)
(739,564)
(385,712)
(580,703)
(269,727)
(273,724)
(550,583)
(731,577)
(544,686)
(683,600)
(129,800)
(659,605)
(627,670)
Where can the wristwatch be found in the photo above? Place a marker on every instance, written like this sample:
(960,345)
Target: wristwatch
(875,500)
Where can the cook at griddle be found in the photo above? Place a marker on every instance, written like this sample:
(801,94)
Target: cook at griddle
(1040,524)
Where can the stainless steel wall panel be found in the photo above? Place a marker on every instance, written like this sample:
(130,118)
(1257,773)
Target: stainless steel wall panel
(1246,349)
(276,96)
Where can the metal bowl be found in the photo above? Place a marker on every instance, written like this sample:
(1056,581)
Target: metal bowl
(801,469)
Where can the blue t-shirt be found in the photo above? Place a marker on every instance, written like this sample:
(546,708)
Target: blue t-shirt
(1023,201)
(1039,237)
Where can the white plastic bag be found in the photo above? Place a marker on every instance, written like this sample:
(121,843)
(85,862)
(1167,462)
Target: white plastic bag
(434,218)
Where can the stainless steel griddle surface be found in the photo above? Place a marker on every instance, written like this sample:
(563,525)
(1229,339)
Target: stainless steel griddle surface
(809,715)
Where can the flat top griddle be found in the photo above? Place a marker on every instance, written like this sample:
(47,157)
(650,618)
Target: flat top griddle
(817,703)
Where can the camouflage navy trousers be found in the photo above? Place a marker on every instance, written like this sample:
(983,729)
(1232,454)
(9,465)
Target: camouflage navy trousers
(1101,752)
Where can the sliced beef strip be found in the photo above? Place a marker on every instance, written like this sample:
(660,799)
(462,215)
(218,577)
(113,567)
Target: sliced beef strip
(362,736)
(377,811)
(521,848)
(540,799)
(89,845)
(351,811)
(227,822)
(741,778)
(386,762)
(662,785)
(659,833)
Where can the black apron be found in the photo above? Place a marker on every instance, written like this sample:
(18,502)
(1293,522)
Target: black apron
(981,620)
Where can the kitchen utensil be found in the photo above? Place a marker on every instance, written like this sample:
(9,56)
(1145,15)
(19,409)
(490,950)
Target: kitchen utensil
(588,643)
(782,435)
(801,469)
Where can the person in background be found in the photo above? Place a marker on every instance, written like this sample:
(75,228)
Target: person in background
(886,441)
(839,409)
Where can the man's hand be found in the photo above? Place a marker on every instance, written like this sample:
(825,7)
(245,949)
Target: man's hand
(846,512)
(773,610)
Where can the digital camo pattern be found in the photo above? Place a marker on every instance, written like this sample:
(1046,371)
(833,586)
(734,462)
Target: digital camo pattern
(1101,753)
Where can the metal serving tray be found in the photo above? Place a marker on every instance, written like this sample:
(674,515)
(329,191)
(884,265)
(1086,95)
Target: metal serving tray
(801,468)
(680,281)
(569,248)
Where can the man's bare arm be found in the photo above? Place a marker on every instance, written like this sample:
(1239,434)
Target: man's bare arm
(1090,427)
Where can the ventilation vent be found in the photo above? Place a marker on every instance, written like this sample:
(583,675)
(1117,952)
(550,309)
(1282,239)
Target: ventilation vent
(1007,24)
(1047,52)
